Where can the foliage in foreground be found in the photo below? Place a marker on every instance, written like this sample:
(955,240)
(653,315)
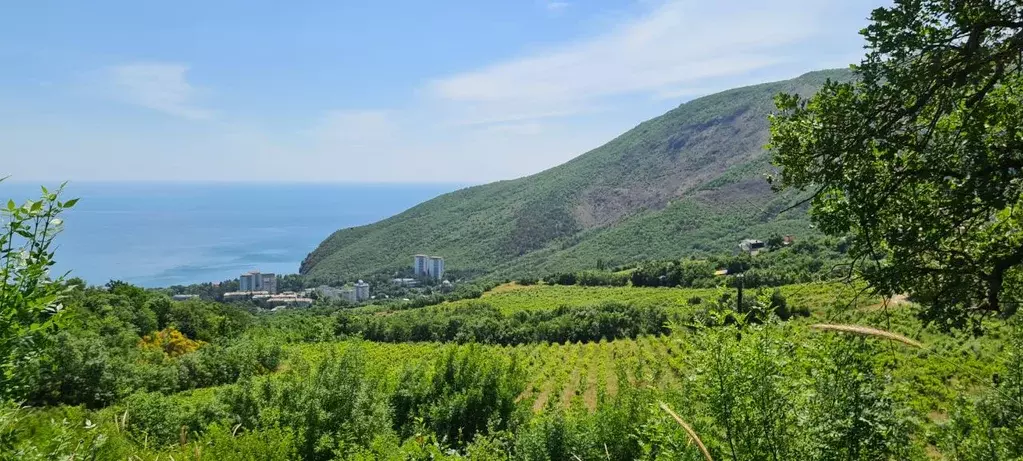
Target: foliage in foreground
(30,298)
(920,158)
(767,391)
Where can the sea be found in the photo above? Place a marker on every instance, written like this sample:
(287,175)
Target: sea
(163,234)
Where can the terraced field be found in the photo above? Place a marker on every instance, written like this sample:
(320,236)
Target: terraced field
(565,375)
(510,298)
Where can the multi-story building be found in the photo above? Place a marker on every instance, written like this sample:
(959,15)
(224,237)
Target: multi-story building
(436,267)
(361,291)
(348,294)
(424,266)
(421,265)
(256,281)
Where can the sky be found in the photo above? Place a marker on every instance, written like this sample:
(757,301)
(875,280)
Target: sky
(395,91)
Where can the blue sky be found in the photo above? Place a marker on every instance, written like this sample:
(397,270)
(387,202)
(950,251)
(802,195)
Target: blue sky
(398,91)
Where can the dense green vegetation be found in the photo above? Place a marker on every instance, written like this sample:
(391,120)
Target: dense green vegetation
(266,390)
(573,371)
(637,355)
(920,159)
(686,183)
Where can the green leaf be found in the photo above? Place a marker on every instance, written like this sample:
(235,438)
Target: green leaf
(70,203)
(11,206)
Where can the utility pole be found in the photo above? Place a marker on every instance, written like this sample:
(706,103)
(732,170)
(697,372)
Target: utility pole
(738,307)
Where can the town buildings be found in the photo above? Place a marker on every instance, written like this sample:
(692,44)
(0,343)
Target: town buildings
(267,299)
(256,281)
(361,291)
(328,293)
(420,265)
(424,266)
(436,267)
(348,294)
(243,295)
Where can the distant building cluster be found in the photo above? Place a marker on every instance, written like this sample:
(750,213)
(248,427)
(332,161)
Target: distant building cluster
(354,293)
(256,281)
(261,288)
(287,299)
(428,266)
(405,282)
(265,298)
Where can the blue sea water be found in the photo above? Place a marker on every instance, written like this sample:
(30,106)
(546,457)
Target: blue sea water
(162,234)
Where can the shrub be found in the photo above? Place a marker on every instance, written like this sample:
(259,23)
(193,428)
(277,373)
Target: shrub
(171,342)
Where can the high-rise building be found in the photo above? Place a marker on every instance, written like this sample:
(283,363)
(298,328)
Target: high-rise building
(361,291)
(436,267)
(420,265)
(256,281)
(270,282)
(428,266)
(348,294)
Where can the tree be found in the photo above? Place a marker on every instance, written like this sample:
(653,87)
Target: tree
(918,158)
(29,296)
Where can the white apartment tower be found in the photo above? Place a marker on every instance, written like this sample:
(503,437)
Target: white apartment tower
(436,267)
(361,291)
(428,266)
(256,281)
(420,266)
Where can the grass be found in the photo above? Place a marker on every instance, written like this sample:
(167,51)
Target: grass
(512,297)
(867,331)
(689,431)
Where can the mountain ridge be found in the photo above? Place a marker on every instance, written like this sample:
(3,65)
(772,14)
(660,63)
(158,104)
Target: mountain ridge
(686,182)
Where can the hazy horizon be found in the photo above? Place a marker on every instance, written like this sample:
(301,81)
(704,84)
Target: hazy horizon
(169,233)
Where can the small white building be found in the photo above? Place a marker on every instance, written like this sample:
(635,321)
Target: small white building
(751,246)
(242,295)
(290,300)
(184,297)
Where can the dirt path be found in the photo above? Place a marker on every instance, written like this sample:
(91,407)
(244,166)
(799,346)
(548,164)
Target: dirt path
(896,301)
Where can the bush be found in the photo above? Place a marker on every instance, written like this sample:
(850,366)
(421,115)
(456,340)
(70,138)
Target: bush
(466,391)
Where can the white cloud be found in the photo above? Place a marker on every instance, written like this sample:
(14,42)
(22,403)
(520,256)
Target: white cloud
(677,44)
(556,6)
(158,86)
(510,117)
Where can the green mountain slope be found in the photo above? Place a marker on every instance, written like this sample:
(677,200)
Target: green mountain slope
(686,182)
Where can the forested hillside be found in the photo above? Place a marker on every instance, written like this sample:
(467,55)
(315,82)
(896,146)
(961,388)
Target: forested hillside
(687,182)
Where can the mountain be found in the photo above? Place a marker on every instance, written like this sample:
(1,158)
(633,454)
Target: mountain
(687,182)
